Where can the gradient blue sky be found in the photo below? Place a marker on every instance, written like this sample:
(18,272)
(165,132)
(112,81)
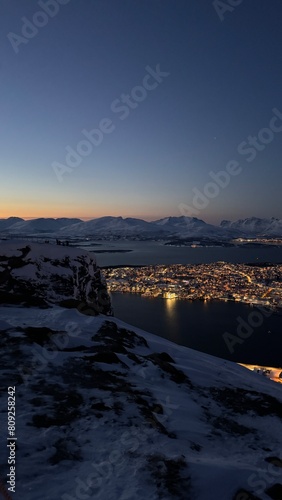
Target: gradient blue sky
(225,79)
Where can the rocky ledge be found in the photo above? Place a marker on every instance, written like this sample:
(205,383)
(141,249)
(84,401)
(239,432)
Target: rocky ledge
(42,274)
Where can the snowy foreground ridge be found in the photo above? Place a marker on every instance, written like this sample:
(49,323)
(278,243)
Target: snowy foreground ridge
(107,411)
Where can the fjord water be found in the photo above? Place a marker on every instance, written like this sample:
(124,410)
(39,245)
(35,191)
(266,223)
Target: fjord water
(122,253)
(201,325)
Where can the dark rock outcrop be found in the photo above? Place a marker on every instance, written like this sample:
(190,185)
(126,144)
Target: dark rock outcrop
(33,274)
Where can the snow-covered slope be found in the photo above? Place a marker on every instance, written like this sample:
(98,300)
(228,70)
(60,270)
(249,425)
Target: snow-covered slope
(5,224)
(106,411)
(110,225)
(255,226)
(191,227)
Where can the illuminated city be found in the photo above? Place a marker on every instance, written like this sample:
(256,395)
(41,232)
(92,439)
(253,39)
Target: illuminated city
(251,284)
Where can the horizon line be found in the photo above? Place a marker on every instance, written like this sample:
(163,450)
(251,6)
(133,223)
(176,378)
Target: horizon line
(146,219)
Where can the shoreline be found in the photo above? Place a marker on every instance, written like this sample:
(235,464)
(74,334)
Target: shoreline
(271,309)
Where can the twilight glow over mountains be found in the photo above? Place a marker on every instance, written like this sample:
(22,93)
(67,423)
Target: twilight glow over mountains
(161,136)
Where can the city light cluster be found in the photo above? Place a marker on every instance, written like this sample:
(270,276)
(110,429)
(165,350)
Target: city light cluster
(252,284)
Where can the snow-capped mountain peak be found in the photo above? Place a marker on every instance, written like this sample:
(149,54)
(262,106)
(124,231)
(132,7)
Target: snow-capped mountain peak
(255,226)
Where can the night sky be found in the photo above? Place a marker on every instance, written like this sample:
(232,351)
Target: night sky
(208,103)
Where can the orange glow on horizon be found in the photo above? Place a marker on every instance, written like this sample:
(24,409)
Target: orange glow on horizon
(5,214)
(27,210)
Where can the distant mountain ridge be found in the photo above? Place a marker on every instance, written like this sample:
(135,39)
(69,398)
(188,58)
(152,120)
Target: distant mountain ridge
(41,225)
(180,227)
(193,227)
(255,226)
(7,223)
(115,225)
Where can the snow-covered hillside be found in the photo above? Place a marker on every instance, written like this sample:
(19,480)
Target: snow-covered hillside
(254,226)
(192,227)
(6,224)
(111,225)
(37,226)
(106,411)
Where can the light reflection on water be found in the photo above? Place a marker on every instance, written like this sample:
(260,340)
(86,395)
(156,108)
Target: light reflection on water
(201,325)
(170,306)
(171,318)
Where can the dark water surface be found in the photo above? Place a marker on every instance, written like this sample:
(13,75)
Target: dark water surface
(201,325)
(151,252)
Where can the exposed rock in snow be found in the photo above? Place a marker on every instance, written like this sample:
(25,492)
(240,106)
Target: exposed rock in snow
(36,274)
